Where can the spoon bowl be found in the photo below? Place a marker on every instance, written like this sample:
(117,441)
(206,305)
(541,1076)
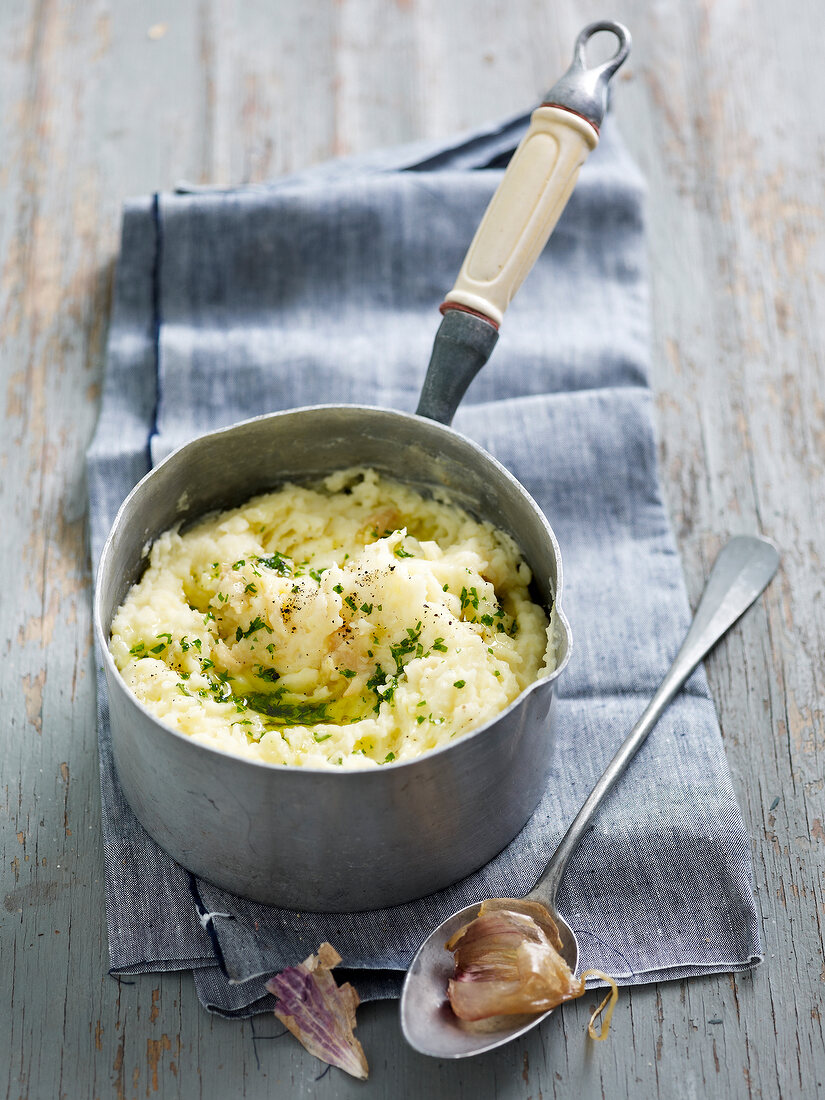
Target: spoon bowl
(427,1020)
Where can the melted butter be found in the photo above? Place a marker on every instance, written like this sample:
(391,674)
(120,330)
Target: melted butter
(280,708)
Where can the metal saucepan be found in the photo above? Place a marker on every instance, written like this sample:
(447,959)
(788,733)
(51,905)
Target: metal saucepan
(328,840)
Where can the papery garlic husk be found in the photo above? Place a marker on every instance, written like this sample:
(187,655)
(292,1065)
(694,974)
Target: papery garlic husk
(507,963)
(320,1013)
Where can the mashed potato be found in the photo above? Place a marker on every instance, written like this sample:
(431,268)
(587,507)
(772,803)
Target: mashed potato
(350,624)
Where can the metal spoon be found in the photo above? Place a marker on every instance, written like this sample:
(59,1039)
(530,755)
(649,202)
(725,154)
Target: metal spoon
(741,572)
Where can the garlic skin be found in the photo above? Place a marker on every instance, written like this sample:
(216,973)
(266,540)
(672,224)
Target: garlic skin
(319,1012)
(507,963)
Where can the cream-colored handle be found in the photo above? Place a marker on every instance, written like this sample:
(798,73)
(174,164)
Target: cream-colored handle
(524,210)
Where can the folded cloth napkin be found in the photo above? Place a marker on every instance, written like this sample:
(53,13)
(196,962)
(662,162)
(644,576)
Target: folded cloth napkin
(323,287)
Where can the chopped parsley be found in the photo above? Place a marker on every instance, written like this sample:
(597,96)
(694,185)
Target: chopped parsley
(469,599)
(407,647)
(277,562)
(459,683)
(221,690)
(256,624)
(384,687)
(267,673)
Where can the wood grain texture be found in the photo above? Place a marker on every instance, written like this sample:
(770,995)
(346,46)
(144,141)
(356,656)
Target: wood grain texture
(102,100)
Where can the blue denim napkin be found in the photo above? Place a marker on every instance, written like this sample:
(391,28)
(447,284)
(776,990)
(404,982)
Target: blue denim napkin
(324,287)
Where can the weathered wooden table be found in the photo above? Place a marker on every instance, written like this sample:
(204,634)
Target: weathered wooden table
(721,107)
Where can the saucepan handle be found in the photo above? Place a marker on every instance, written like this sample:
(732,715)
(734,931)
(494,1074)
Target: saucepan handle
(521,216)
(523,212)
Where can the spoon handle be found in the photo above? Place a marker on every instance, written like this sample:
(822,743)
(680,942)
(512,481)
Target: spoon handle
(741,572)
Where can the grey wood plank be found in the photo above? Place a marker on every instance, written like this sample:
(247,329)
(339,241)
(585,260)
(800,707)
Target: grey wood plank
(727,193)
(95,109)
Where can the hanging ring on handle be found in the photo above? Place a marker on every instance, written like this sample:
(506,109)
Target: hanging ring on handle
(613,63)
(584,90)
